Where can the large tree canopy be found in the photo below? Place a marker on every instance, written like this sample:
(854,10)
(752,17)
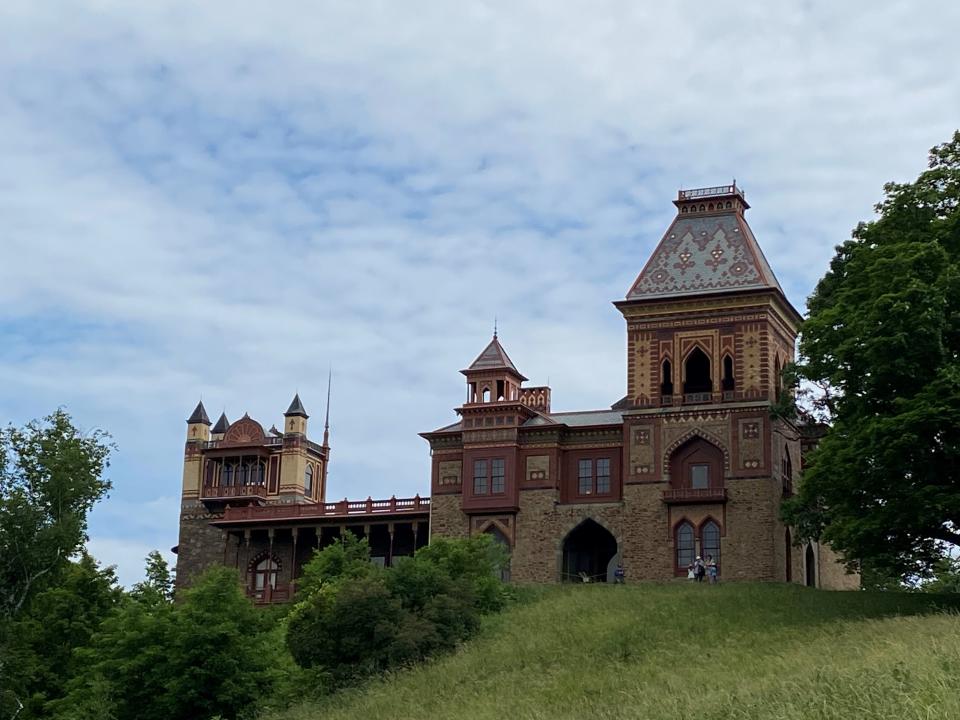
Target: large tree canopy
(883,340)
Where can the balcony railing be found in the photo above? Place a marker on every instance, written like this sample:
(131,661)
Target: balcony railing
(233,491)
(345,508)
(689,496)
(717,190)
(693,398)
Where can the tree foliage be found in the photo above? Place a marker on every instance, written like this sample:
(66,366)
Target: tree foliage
(50,478)
(153,660)
(354,620)
(42,641)
(882,345)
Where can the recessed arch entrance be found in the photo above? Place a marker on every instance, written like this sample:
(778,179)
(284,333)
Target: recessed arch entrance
(589,553)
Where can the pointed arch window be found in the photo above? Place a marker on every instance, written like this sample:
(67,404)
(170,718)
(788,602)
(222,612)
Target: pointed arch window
(729,384)
(308,481)
(787,472)
(228,474)
(666,378)
(710,541)
(685,541)
(697,378)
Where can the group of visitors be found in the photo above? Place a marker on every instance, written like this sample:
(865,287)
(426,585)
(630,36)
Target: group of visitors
(699,569)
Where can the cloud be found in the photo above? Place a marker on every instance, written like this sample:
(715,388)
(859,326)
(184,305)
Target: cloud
(222,199)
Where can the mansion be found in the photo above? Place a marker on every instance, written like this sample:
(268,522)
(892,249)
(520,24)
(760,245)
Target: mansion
(689,462)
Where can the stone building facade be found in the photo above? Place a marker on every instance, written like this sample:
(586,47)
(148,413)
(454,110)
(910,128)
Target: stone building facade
(690,462)
(255,500)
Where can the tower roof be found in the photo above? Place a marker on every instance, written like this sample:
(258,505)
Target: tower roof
(222,424)
(296,408)
(708,248)
(493,357)
(199,415)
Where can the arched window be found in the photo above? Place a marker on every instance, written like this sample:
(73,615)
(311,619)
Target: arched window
(501,392)
(697,377)
(486,395)
(787,472)
(728,381)
(265,578)
(710,541)
(686,545)
(666,381)
(244,478)
(258,471)
(308,481)
(228,475)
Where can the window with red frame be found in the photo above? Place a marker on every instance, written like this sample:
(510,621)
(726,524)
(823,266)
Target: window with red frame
(489,477)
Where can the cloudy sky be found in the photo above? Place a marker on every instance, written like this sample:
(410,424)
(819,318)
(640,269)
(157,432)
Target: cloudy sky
(223,199)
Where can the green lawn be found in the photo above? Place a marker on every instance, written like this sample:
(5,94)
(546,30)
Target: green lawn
(683,651)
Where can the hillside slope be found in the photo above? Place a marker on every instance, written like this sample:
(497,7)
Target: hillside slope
(682,651)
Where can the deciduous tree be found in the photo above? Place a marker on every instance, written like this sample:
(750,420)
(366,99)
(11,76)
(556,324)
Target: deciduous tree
(883,343)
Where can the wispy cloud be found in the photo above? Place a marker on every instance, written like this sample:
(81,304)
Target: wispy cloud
(223,198)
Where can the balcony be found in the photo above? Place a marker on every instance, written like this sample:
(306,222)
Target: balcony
(233,492)
(344,509)
(693,496)
(697,398)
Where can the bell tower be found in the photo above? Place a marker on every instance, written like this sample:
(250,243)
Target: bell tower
(707,321)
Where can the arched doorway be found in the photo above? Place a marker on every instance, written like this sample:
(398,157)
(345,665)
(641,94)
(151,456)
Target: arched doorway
(811,567)
(500,539)
(588,552)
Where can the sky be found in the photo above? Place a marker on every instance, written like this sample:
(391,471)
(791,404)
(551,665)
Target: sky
(223,200)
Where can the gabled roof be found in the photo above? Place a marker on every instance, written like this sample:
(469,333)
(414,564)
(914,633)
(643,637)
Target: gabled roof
(199,415)
(222,424)
(493,357)
(296,408)
(700,254)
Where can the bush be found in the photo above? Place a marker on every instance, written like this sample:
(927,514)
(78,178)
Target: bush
(355,620)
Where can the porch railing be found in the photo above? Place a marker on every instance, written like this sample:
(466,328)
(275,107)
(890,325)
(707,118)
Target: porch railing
(344,508)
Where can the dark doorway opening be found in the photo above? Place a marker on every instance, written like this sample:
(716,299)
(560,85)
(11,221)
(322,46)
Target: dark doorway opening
(697,377)
(587,553)
(811,567)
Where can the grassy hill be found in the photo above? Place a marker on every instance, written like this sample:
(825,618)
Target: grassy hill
(685,652)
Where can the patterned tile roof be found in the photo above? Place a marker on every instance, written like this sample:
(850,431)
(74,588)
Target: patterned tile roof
(493,357)
(704,254)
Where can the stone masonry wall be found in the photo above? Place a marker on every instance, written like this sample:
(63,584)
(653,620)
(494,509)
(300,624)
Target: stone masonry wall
(446,517)
(201,546)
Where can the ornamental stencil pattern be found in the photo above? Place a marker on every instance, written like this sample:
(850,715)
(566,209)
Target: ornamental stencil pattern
(704,254)
(641,450)
(449,472)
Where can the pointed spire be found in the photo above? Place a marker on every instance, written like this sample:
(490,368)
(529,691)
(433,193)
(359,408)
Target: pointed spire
(222,424)
(494,357)
(199,415)
(326,420)
(296,408)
